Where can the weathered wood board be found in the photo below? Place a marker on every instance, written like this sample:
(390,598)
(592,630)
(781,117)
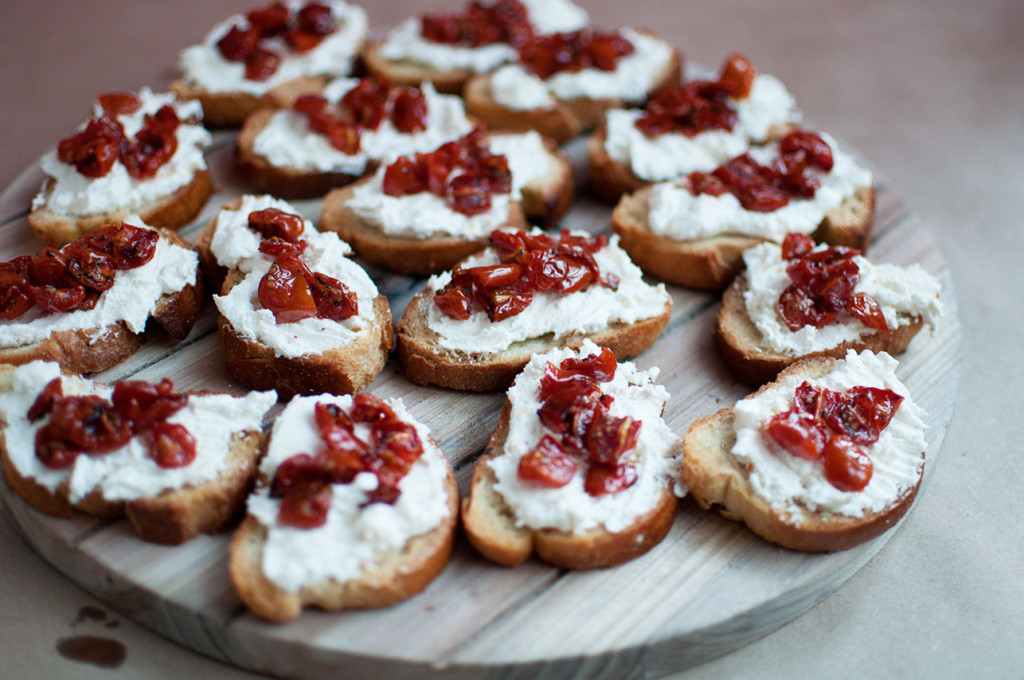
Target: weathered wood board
(710,587)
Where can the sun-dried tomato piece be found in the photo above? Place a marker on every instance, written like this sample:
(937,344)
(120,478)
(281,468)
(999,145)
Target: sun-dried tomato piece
(95,149)
(468,194)
(609,437)
(128,246)
(366,102)
(333,299)
(261,63)
(798,434)
(172,445)
(548,464)
(272,222)
(316,18)
(601,366)
(796,245)
(270,20)
(48,267)
(847,466)
(145,404)
(309,104)
(408,110)
(453,302)
(705,183)
(503,21)
(284,290)
(84,423)
(366,408)
(275,247)
(738,75)
(44,403)
(863,413)
(116,103)
(238,43)
(56,299)
(305,506)
(404,176)
(602,479)
(866,309)
(816,149)
(546,55)
(506,301)
(301,41)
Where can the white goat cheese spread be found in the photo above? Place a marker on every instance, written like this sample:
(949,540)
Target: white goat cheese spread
(676,213)
(423,215)
(586,311)
(355,536)
(69,193)
(672,155)
(570,508)
(406,41)
(206,68)
(325,253)
(633,79)
(287,141)
(126,473)
(131,299)
(901,292)
(794,485)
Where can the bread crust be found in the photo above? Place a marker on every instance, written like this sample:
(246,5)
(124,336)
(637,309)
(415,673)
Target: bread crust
(712,263)
(717,481)
(343,370)
(490,524)
(230,109)
(412,74)
(171,517)
(281,181)
(395,578)
(173,211)
(425,362)
(566,119)
(545,202)
(741,344)
(94,350)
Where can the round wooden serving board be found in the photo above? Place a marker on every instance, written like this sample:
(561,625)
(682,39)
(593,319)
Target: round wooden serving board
(709,587)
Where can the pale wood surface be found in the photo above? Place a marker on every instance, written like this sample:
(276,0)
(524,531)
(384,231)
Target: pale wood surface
(930,92)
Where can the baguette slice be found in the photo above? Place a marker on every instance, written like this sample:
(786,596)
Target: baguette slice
(94,350)
(343,370)
(741,345)
(173,211)
(490,524)
(397,577)
(408,73)
(566,119)
(544,201)
(712,263)
(281,181)
(231,109)
(718,481)
(171,517)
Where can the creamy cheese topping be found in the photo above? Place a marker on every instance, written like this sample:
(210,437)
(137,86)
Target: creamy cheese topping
(287,141)
(325,253)
(423,215)
(406,41)
(633,79)
(792,484)
(355,536)
(205,67)
(571,508)
(769,105)
(901,292)
(131,299)
(74,194)
(126,473)
(676,213)
(586,311)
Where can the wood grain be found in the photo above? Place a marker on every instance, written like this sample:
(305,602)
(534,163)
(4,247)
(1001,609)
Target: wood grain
(710,587)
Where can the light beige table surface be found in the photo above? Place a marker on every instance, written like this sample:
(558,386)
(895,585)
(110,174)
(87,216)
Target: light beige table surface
(931,92)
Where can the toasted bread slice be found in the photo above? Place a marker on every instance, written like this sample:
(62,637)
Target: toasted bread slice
(544,200)
(712,263)
(277,180)
(231,109)
(396,577)
(344,370)
(491,526)
(410,73)
(173,211)
(172,516)
(565,119)
(743,350)
(717,480)
(97,349)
